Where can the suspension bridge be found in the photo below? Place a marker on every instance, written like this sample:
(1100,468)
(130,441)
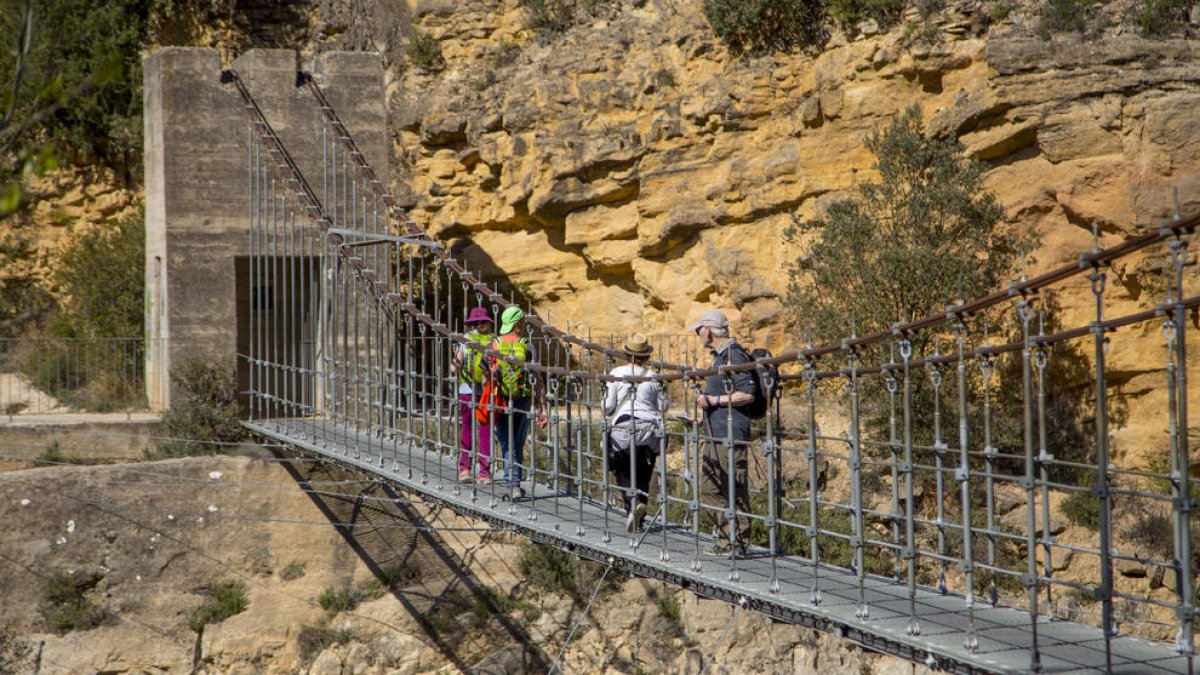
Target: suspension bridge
(355,314)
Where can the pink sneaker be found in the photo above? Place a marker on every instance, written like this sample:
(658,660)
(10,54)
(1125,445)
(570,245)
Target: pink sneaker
(464,475)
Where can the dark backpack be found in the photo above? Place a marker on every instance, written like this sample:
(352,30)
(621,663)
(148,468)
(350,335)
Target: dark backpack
(763,395)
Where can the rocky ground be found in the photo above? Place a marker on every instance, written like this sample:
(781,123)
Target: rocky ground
(141,546)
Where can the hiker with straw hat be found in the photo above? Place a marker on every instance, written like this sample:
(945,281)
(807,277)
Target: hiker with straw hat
(468,363)
(635,413)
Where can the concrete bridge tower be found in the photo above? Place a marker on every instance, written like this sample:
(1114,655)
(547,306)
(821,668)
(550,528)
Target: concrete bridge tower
(197,149)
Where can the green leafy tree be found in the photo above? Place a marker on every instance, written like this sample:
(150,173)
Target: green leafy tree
(100,278)
(927,234)
(924,235)
(73,87)
(763,25)
(849,12)
(204,415)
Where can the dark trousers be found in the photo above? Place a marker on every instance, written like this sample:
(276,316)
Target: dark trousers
(715,489)
(643,464)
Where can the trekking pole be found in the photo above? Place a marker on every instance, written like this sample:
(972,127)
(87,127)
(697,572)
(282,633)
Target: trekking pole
(731,514)
(770,452)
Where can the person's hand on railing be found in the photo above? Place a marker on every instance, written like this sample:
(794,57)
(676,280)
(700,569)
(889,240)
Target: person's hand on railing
(542,419)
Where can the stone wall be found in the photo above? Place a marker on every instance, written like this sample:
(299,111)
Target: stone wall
(197,173)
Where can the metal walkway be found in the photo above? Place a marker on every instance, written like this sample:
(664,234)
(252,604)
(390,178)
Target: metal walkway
(588,529)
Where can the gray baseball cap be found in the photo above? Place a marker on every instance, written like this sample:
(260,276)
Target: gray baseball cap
(713,318)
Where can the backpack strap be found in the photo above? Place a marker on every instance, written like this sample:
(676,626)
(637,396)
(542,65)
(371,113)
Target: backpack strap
(629,394)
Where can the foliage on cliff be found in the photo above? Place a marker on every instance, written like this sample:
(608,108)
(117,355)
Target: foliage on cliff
(926,234)
(204,410)
(101,282)
(75,91)
(759,25)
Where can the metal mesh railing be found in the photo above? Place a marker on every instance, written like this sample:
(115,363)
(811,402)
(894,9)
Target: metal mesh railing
(969,452)
(50,375)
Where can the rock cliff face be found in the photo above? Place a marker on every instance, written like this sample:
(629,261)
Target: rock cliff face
(629,170)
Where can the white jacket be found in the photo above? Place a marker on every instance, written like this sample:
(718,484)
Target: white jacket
(648,403)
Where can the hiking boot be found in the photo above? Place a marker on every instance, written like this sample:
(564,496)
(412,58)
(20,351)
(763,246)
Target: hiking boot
(720,551)
(464,475)
(636,517)
(516,492)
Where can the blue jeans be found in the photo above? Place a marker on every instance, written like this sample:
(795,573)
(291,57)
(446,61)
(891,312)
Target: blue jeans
(513,424)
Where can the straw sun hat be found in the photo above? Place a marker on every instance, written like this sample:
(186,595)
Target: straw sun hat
(637,345)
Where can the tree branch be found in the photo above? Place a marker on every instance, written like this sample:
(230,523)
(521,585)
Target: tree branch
(23,47)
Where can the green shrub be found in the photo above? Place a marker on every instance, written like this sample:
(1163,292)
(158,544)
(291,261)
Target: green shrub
(552,569)
(848,13)
(336,599)
(1065,16)
(1161,18)
(506,54)
(78,614)
(669,606)
(101,276)
(424,51)
(226,599)
(204,411)
(79,361)
(1154,531)
(551,16)
(489,599)
(900,247)
(53,455)
(399,573)
(68,608)
(293,570)
(1083,509)
(762,25)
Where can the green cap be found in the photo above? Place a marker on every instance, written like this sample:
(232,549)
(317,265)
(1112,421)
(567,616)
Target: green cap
(509,319)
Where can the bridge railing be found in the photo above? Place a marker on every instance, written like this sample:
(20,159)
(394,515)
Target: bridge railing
(944,452)
(52,375)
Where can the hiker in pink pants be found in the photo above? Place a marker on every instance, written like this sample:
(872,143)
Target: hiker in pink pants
(470,366)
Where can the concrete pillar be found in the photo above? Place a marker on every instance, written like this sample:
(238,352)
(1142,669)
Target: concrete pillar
(197,191)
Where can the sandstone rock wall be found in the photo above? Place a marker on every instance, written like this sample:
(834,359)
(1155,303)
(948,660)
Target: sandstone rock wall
(630,170)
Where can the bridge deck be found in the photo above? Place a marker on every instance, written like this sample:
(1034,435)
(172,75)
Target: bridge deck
(566,521)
